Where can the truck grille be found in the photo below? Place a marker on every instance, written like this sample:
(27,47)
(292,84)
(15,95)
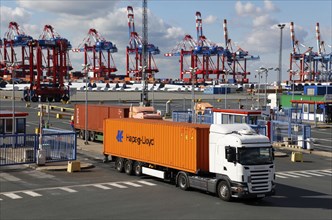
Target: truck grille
(259,181)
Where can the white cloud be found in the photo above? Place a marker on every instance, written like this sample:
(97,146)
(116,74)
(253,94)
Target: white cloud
(174,32)
(263,20)
(270,7)
(210,19)
(249,9)
(245,9)
(70,7)
(17,14)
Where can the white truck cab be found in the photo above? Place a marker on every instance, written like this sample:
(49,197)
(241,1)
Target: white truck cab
(243,159)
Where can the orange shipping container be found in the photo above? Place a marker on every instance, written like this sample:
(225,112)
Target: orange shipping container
(176,145)
(97,114)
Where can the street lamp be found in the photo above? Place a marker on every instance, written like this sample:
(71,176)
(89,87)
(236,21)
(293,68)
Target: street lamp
(266,71)
(144,94)
(293,86)
(86,68)
(193,74)
(280,26)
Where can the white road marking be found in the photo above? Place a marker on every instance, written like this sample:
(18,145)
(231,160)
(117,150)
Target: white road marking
(31,193)
(299,174)
(38,174)
(101,186)
(303,173)
(117,185)
(12,195)
(311,172)
(132,184)
(146,183)
(68,189)
(9,177)
(287,175)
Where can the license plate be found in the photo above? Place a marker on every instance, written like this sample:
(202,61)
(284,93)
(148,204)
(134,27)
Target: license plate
(260,195)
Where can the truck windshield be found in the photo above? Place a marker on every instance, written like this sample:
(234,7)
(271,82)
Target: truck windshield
(255,156)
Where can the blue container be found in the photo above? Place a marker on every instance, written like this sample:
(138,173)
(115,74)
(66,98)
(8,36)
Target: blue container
(317,90)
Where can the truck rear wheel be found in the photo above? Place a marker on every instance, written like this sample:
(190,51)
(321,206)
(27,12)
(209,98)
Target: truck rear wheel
(34,99)
(81,134)
(183,181)
(92,136)
(128,167)
(224,191)
(119,165)
(137,168)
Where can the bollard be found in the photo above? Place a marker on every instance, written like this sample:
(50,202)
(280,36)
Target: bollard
(73,166)
(297,157)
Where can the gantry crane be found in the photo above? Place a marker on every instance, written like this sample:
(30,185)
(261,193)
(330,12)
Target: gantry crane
(134,51)
(323,60)
(185,51)
(50,55)
(235,61)
(301,63)
(15,50)
(101,65)
(204,52)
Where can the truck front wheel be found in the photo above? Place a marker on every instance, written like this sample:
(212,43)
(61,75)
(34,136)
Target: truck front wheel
(224,191)
(183,182)
(119,165)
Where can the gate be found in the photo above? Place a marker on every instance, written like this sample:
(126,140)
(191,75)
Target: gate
(22,148)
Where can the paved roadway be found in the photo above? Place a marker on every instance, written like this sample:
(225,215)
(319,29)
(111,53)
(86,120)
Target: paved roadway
(303,192)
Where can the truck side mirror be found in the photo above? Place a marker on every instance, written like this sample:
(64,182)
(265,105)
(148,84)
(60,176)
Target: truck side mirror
(230,154)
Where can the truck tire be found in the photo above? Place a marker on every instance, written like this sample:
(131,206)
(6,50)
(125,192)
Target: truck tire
(137,168)
(43,98)
(128,167)
(119,165)
(183,181)
(224,191)
(92,136)
(81,134)
(34,99)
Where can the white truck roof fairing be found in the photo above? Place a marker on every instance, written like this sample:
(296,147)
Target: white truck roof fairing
(239,134)
(230,128)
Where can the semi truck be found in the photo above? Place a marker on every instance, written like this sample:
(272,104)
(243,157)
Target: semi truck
(230,160)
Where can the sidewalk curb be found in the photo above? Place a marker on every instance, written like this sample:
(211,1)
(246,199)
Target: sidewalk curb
(59,167)
(291,148)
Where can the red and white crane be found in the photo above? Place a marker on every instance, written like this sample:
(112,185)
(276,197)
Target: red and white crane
(15,50)
(101,63)
(302,64)
(235,61)
(134,51)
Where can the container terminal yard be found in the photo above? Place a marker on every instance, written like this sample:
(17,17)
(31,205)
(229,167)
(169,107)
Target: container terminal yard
(211,130)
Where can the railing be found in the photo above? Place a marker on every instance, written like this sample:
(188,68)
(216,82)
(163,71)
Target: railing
(22,148)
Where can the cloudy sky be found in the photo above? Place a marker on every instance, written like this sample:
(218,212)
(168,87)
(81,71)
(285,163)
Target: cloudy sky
(252,25)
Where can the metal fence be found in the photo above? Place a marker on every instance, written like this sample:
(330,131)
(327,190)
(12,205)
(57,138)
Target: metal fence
(17,149)
(22,148)
(207,118)
(291,133)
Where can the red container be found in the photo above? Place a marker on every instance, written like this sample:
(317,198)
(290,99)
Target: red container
(97,114)
(176,145)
